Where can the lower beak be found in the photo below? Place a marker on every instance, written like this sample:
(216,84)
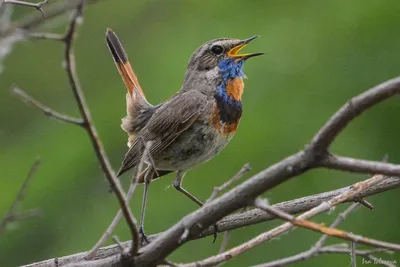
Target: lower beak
(234,52)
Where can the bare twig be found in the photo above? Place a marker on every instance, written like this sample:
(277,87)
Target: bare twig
(11,215)
(353,254)
(366,204)
(34,20)
(92,253)
(46,110)
(353,108)
(38,5)
(323,229)
(359,165)
(89,126)
(323,207)
(118,243)
(219,189)
(45,36)
(315,250)
(19,216)
(225,242)
(224,245)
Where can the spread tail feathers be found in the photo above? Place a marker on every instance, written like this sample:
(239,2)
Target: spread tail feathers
(135,92)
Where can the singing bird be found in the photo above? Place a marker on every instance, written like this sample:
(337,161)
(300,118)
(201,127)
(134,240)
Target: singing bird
(191,127)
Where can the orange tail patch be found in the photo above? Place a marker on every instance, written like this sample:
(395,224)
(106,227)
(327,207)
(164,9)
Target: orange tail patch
(123,65)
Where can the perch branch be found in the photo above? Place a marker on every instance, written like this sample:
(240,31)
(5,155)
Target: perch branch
(251,217)
(353,192)
(278,173)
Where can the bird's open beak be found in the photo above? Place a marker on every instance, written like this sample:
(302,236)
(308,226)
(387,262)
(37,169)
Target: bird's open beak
(242,44)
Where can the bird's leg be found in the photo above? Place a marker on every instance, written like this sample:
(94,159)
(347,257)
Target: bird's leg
(147,180)
(178,185)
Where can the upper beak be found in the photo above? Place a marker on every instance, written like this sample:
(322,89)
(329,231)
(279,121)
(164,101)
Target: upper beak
(242,44)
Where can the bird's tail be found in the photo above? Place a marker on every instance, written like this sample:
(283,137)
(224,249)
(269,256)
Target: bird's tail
(135,99)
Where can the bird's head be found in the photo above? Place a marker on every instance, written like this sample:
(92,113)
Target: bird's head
(218,61)
(219,52)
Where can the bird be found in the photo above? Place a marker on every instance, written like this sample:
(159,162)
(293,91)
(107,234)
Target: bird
(193,125)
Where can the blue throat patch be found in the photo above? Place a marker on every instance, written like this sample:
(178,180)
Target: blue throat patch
(230,110)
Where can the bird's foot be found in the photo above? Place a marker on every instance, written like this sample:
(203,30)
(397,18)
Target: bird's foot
(215,233)
(143,236)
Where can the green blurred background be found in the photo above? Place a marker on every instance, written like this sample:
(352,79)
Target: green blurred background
(318,55)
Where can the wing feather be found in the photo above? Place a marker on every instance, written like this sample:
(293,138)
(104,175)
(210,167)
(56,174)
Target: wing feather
(166,124)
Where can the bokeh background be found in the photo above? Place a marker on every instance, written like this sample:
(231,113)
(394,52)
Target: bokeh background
(318,55)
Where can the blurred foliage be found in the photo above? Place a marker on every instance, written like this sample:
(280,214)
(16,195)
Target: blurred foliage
(318,55)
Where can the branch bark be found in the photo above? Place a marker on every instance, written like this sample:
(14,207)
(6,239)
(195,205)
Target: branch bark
(239,220)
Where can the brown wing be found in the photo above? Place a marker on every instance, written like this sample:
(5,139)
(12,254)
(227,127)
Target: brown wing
(167,123)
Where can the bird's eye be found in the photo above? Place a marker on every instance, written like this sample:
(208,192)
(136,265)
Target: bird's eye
(217,50)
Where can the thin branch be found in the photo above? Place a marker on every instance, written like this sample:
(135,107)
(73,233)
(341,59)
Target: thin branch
(353,108)
(45,36)
(46,110)
(11,215)
(219,189)
(366,204)
(38,5)
(92,253)
(353,192)
(89,126)
(325,230)
(353,254)
(225,242)
(118,243)
(315,250)
(359,165)
(34,20)
(224,245)
(23,215)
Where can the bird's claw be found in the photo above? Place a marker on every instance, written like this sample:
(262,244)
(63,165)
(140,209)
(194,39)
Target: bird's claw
(215,234)
(143,237)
